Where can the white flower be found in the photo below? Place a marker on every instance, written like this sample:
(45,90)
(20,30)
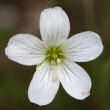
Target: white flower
(55,57)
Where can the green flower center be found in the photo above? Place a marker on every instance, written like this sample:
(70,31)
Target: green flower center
(54,55)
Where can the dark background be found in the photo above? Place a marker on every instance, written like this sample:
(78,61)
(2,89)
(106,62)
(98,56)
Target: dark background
(22,16)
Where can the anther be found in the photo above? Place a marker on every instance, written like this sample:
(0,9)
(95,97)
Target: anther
(59,60)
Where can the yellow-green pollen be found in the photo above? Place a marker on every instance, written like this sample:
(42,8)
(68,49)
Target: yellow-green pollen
(54,55)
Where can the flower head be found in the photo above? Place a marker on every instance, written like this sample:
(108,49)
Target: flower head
(55,57)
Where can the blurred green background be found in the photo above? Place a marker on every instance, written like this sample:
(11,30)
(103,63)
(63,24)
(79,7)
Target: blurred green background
(22,16)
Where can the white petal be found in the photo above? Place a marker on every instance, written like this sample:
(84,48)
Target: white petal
(83,47)
(54,24)
(75,80)
(25,49)
(43,86)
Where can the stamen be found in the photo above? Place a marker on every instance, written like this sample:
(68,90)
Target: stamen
(53,62)
(59,60)
(54,55)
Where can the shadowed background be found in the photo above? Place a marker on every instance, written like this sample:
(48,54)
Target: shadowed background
(22,16)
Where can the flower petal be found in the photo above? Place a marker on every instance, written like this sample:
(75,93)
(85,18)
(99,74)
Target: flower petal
(83,47)
(75,80)
(25,49)
(43,86)
(54,24)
